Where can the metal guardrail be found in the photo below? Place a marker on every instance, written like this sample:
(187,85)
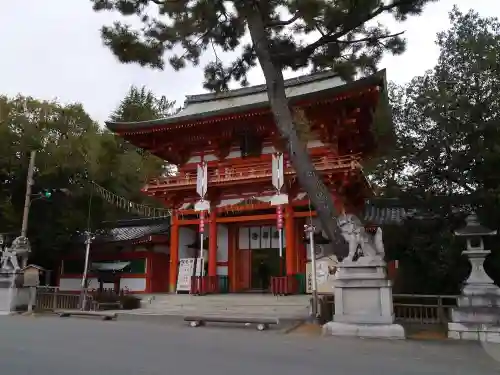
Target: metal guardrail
(51,299)
(421,309)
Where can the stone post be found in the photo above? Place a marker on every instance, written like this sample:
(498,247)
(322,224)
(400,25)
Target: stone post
(477,315)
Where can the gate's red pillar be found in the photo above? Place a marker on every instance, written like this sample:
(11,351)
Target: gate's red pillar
(291,254)
(212,244)
(174,253)
(231,257)
(149,272)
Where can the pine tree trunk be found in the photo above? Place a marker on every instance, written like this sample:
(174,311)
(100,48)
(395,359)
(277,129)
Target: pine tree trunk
(307,176)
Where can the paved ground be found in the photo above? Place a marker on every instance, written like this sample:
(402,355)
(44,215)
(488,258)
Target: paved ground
(55,346)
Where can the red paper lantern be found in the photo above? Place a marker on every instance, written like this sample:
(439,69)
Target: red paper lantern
(279,217)
(202,222)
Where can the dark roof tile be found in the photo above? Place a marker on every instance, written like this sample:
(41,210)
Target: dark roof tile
(130,230)
(383,216)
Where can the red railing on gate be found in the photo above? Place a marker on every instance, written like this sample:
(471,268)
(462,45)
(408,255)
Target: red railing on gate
(201,285)
(284,285)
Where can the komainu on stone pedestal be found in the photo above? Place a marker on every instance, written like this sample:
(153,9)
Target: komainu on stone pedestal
(363,294)
(12,296)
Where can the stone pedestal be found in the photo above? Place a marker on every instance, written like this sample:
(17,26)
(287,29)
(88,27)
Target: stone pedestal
(363,301)
(477,315)
(12,298)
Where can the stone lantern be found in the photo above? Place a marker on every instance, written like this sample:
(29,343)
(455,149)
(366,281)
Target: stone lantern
(474,232)
(476,316)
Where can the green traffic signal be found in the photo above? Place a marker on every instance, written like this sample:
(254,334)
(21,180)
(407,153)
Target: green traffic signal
(47,193)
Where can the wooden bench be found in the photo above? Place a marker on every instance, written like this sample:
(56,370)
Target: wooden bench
(102,315)
(260,323)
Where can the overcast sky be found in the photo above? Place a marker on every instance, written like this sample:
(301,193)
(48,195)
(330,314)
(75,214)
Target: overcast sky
(52,49)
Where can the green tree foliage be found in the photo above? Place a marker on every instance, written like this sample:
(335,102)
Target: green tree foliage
(295,34)
(447,119)
(60,134)
(69,145)
(142,105)
(448,147)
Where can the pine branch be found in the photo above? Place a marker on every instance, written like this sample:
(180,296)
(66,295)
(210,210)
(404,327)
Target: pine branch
(369,39)
(348,27)
(163,2)
(280,23)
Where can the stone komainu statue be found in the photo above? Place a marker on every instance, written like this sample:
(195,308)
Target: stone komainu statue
(9,261)
(359,240)
(20,246)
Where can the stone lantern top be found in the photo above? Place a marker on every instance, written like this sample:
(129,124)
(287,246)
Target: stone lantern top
(474,229)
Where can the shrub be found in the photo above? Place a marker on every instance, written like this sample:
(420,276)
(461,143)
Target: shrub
(129,302)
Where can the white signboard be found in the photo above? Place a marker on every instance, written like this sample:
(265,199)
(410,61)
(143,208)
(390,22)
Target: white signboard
(186,267)
(279,199)
(326,269)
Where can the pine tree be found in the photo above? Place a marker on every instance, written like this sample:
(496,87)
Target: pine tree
(344,42)
(142,105)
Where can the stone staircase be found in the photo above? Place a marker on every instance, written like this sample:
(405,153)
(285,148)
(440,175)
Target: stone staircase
(248,305)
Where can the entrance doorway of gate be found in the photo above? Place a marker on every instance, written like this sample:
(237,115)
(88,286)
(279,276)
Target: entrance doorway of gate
(271,259)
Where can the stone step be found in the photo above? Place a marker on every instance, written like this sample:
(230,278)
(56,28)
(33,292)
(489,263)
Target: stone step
(227,307)
(176,314)
(197,308)
(225,304)
(237,300)
(232,312)
(232,304)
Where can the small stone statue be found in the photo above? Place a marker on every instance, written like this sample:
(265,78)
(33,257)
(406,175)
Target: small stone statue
(21,246)
(359,240)
(8,261)
(373,245)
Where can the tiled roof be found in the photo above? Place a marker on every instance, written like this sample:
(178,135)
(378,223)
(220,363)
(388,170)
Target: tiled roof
(203,106)
(384,216)
(130,230)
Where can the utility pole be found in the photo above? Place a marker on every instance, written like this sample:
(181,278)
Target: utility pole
(309,229)
(27,203)
(88,241)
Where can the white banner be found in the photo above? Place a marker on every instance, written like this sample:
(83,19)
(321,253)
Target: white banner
(278,175)
(186,268)
(201,180)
